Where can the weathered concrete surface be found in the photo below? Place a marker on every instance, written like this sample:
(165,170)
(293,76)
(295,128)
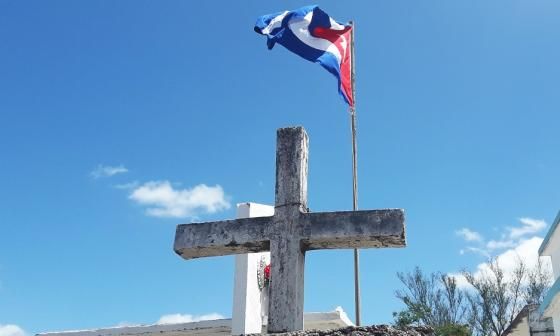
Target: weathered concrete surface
(291,232)
(237,236)
(354,229)
(292,148)
(377,330)
(323,230)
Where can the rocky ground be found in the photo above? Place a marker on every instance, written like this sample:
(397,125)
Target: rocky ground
(376,330)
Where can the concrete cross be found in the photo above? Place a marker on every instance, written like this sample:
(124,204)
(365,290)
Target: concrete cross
(290,232)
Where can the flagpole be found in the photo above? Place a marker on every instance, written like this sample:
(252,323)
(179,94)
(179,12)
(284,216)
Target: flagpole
(355,179)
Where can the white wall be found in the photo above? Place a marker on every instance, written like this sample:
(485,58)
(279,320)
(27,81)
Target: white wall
(248,300)
(555,256)
(553,250)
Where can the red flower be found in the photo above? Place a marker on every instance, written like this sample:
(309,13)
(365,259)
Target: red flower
(267,272)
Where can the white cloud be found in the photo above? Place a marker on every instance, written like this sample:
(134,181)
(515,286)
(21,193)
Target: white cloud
(11,330)
(460,279)
(469,235)
(186,318)
(526,251)
(528,226)
(108,171)
(515,243)
(163,200)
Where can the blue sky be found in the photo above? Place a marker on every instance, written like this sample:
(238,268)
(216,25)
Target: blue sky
(457,108)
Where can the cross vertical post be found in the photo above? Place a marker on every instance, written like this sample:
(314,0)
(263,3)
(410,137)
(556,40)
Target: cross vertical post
(286,300)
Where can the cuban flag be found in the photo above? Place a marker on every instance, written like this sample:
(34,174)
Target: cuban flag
(313,35)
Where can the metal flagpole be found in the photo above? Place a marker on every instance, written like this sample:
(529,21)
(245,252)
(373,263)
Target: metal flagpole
(355,178)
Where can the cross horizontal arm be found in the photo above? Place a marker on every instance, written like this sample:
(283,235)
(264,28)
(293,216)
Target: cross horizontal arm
(354,229)
(224,237)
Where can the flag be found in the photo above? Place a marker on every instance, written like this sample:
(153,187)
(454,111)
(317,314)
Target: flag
(313,35)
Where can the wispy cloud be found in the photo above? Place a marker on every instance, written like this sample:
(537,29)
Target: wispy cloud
(11,330)
(499,244)
(528,226)
(127,186)
(477,250)
(469,235)
(163,200)
(186,318)
(107,171)
(509,237)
